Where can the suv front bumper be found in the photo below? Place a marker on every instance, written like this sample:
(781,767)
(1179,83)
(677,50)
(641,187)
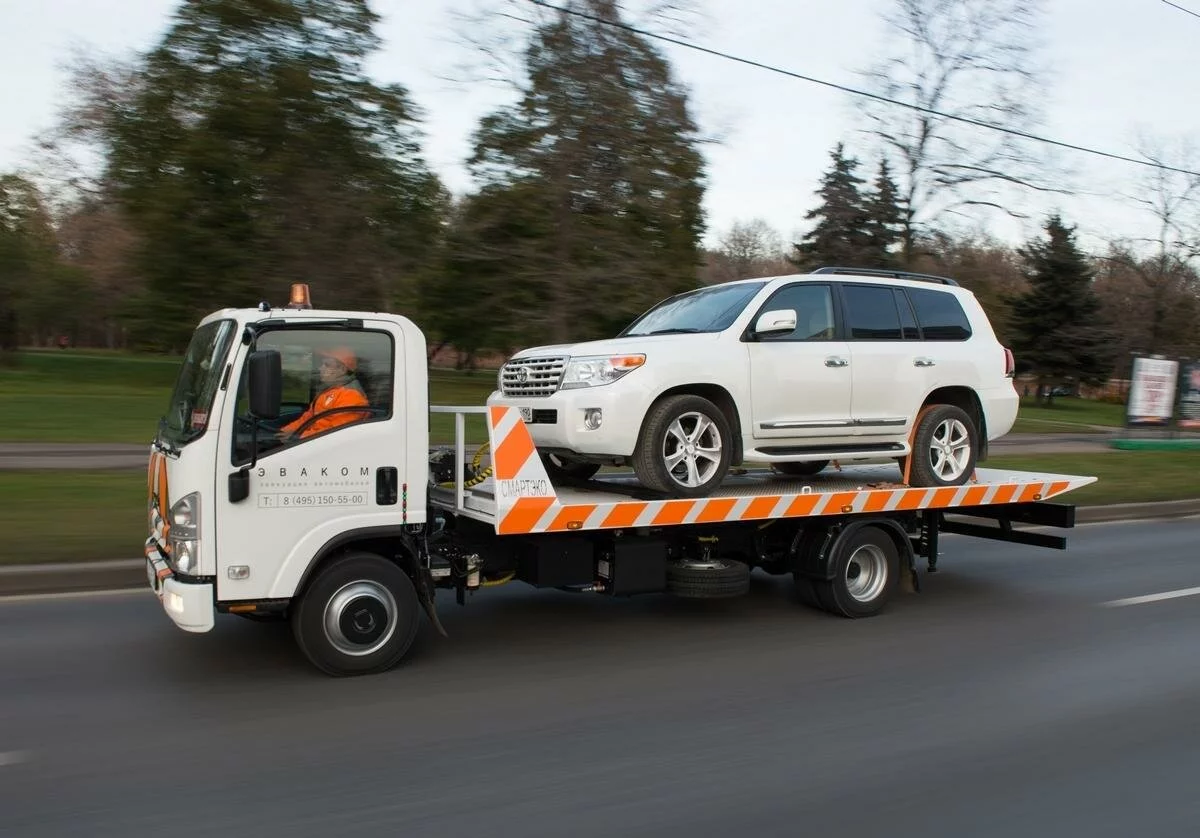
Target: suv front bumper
(622,405)
(188,604)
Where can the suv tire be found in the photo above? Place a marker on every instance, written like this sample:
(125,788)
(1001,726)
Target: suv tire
(705,433)
(945,447)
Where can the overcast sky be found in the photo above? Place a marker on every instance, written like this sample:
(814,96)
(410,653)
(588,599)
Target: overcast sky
(1122,67)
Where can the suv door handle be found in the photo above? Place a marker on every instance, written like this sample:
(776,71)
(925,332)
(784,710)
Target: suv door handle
(835,361)
(923,362)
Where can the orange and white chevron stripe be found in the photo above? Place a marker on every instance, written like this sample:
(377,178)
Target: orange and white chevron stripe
(527,503)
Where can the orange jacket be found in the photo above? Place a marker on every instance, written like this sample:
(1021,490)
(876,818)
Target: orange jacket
(339,396)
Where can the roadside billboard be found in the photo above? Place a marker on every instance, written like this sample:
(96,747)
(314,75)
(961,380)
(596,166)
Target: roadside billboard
(1189,396)
(1152,392)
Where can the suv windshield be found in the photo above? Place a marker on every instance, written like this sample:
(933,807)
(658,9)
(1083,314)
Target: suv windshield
(709,309)
(188,412)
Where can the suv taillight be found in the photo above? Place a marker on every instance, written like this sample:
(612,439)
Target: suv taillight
(1010,363)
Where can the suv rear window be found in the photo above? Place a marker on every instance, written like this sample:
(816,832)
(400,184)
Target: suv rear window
(940,314)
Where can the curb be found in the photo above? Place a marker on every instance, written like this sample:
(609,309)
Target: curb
(26,579)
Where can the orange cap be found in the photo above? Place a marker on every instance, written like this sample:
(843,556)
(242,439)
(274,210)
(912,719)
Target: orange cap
(342,354)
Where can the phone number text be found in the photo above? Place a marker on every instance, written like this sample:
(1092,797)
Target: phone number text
(286,500)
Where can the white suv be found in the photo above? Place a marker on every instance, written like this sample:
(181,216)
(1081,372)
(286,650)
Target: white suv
(795,371)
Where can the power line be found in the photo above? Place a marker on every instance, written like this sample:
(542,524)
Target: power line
(1181,8)
(856,92)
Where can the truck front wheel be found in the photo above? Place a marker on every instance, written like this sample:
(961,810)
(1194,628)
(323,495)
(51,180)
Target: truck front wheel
(359,616)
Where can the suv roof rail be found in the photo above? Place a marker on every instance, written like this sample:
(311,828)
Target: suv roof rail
(943,280)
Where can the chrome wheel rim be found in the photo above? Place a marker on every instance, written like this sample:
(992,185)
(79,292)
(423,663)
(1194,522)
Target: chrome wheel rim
(691,449)
(950,450)
(360,618)
(866,573)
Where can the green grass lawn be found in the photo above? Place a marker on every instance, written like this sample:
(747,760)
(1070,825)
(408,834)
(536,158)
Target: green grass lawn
(55,516)
(1068,415)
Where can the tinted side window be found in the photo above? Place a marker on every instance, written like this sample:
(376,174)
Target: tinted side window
(813,305)
(940,314)
(871,312)
(331,380)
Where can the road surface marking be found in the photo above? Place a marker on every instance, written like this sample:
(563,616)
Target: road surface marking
(14,599)
(1141,600)
(13,757)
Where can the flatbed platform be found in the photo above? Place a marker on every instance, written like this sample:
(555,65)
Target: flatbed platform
(519,498)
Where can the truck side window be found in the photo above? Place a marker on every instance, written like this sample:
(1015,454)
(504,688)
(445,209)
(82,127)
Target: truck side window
(332,380)
(813,305)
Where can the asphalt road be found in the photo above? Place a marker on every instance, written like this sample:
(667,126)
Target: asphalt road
(18,455)
(1003,700)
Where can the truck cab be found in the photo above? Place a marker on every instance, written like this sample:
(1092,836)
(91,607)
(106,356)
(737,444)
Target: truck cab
(240,508)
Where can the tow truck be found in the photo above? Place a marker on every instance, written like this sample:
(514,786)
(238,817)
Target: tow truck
(351,533)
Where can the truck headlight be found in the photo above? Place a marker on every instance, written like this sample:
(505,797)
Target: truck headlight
(185,534)
(597,370)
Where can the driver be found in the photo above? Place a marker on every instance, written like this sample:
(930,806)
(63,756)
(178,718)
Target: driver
(339,390)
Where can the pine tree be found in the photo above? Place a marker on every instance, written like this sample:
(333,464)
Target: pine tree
(1057,332)
(840,234)
(885,220)
(602,142)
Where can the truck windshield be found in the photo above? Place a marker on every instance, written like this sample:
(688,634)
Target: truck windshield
(710,309)
(188,412)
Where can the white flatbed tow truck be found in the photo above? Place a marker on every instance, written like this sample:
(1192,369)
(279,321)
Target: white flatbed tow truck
(351,533)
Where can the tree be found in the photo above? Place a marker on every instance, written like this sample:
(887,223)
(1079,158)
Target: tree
(853,227)
(601,138)
(953,59)
(1057,331)
(28,261)
(749,249)
(248,150)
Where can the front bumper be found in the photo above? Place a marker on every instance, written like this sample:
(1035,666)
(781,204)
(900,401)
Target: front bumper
(623,406)
(188,604)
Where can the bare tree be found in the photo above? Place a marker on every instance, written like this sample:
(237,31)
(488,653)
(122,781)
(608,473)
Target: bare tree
(749,249)
(954,60)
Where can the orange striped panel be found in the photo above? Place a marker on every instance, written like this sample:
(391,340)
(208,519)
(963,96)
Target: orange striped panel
(801,505)
(943,497)
(975,496)
(911,499)
(760,507)
(512,452)
(876,501)
(524,515)
(1058,488)
(674,511)
(839,500)
(716,510)
(567,514)
(1032,489)
(1004,494)
(623,515)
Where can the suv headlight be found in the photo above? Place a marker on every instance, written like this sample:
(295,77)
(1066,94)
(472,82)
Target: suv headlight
(185,534)
(597,370)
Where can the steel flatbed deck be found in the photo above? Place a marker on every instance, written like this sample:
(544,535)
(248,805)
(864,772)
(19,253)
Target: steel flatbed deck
(518,498)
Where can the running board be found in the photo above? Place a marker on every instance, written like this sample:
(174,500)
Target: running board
(879,449)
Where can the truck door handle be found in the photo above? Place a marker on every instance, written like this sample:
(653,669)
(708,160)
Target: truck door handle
(835,361)
(923,362)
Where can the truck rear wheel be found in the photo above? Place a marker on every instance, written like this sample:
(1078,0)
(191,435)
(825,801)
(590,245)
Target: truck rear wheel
(359,616)
(864,564)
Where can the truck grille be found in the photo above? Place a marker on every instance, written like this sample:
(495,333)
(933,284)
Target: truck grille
(532,376)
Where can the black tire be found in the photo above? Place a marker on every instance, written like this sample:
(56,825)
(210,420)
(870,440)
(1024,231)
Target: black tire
(559,468)
(937,420)
(708,579)
(648,459)
(801,469)
(866,571)
(381,612)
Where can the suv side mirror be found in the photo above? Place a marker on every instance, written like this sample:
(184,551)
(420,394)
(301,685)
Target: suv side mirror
(780,320)
(265,383)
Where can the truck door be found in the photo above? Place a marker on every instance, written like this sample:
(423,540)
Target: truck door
(333,477)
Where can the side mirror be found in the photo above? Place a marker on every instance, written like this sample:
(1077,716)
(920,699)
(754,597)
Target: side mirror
(780,320)
(265,383)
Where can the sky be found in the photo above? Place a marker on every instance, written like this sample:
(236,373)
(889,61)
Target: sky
(1120,69)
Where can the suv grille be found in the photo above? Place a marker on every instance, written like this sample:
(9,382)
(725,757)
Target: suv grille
(532,376)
